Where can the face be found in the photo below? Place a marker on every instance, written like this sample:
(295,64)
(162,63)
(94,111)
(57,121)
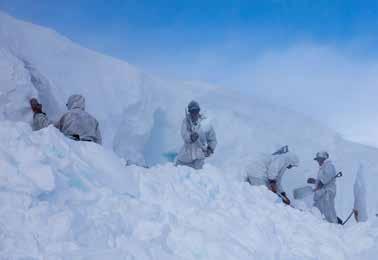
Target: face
(33,102)
(35,106)
(194,115)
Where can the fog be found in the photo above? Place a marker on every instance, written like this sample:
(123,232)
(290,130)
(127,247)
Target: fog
(336,86)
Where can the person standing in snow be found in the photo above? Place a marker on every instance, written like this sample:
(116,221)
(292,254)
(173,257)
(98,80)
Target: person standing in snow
(325,190)
(77,124)
(199,138)
(272,170)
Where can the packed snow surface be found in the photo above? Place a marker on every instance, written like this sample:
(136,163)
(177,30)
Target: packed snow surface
(62,199)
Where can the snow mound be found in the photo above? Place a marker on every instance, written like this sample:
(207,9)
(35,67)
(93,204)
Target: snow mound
(62,199)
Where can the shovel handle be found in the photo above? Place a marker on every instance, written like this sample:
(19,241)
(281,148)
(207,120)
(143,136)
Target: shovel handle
(340,174)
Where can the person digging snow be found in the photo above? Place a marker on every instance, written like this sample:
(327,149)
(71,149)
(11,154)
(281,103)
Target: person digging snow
(325,187)
(76,123)
(272,170)
(199,138)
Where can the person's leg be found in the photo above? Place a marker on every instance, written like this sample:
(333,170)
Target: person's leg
(330,211)
(326,206)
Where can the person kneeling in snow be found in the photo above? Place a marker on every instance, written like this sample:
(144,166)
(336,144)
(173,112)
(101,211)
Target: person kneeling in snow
(77,124)
(199,138)
(272,171)
(325,190)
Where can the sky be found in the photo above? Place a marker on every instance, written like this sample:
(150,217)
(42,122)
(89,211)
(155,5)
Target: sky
(317,57)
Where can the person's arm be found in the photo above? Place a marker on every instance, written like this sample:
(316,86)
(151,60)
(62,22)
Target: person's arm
(275,167)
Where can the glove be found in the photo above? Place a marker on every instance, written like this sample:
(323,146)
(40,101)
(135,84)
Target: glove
(209,151)
(311,181)
(36,107)
(273,186)
(194,137)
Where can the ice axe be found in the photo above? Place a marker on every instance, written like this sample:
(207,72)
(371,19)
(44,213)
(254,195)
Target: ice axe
(305,191)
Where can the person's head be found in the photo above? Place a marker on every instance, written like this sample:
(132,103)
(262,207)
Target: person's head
(35,105)
(321,157)
(76,101)
(34,102)
(194,111)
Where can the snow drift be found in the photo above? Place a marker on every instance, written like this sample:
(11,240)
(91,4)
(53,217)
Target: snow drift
(62,199)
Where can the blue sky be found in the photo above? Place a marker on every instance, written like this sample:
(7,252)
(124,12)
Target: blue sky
(136,29)
(318,57)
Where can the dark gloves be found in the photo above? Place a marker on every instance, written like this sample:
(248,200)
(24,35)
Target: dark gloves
(194,137)
(35,106)
(272,185)
(311,181)
(209,151)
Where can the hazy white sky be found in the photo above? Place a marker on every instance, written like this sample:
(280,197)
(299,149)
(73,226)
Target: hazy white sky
(322,82)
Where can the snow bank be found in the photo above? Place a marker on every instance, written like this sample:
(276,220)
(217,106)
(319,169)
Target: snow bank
(62,199)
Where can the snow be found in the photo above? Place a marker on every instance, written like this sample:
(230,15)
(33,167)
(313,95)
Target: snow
(62,199)
(359,190)
(165,212)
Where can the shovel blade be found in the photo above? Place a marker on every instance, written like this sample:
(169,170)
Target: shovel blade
(302,192)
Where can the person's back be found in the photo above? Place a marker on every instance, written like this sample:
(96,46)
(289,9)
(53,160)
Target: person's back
(79,124)
(269,172)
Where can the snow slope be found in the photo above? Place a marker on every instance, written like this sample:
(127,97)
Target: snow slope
(140,117)
(62,199)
